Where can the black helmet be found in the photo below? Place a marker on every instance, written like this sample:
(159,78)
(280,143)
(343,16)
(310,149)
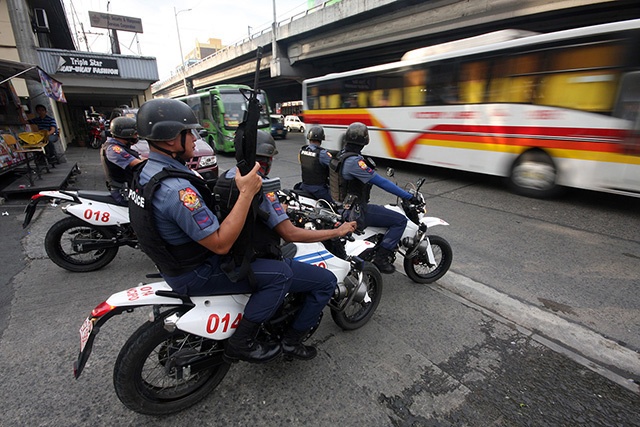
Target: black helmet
(123,127)
(163,119)
(316,133)
(265,145)
(357,133)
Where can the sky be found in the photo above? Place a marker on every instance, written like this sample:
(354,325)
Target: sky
(228,20)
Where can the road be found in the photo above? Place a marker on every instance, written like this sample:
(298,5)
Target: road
(535,287)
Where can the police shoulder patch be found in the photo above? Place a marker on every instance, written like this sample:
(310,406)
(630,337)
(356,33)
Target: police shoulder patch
(189,199)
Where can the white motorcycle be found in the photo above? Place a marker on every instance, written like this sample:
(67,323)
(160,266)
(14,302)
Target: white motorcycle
(427,257)
(175,360)
(89,238)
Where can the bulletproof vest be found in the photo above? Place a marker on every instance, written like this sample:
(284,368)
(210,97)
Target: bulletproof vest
(340,187)
(116,176)
(256,240)
(313,172)
(172,260)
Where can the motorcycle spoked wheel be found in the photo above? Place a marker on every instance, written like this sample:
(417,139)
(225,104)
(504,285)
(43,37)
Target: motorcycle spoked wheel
(147,376)
(418,268)
(58,244)
(358,313)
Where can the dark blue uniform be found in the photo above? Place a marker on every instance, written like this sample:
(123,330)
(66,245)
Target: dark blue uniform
(374,215)
(121,155)
(317,283)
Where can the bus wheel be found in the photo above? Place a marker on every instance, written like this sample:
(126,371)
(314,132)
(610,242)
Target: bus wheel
(534,175)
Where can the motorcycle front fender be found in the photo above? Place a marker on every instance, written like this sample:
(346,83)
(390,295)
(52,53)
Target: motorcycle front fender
(432,221)
(99,213)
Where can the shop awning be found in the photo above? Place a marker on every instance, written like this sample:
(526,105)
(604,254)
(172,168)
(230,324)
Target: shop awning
(11,69)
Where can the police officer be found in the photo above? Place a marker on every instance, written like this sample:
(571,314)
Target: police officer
(171,211)
(352,176)
(118,158)
(317,283)
(314,163)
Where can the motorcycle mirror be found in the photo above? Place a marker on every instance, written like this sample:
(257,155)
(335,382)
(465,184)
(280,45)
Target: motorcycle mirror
(203,133)
(390,172)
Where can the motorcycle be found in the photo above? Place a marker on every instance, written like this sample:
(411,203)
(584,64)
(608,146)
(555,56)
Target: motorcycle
(176,359)
(427,257)
(89,238)
(97,134)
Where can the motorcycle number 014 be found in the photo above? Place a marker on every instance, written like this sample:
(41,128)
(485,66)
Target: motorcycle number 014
(176,359)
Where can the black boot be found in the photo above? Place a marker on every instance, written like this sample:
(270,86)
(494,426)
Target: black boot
(292,346)
(382,260)
(243,345)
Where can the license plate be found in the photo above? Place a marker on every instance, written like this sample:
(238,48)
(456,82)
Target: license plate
(85,332)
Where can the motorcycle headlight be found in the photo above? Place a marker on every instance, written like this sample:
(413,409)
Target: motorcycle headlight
(207,161)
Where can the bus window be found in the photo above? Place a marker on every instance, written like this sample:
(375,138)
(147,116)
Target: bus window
(582,78)
(628,104)
(441,86)
(513,78)
(473,79)
(414,87)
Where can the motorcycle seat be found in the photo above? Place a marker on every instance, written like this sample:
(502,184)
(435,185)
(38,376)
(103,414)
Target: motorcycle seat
(98,196)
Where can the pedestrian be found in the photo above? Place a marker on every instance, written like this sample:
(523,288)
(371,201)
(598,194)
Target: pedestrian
(48,123)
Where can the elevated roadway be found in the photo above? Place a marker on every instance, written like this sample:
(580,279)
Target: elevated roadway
(359,33)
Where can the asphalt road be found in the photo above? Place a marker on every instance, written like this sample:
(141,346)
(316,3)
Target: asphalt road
(520,331)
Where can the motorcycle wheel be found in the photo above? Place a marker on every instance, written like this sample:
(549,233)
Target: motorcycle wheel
(96,142)
(59,245)
(418,268)
(147,375)
(359,312)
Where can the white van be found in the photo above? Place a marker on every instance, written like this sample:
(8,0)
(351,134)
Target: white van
(293,123)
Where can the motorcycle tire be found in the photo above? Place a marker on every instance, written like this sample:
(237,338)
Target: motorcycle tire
(58,244)
(418,269)
(359,313)
(147,376)
(96,142)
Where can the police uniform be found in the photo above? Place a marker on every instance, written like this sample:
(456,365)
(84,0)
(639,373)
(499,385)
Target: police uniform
(314,163)
(355,167)
(116,160)
(318,283)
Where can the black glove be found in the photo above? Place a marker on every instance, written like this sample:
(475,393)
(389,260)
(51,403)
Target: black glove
(415,200)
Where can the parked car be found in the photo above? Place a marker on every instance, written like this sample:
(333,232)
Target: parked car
(277,128)
(293,123)
(204,160)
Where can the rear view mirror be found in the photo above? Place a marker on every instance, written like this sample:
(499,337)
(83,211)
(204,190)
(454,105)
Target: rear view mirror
(390,172)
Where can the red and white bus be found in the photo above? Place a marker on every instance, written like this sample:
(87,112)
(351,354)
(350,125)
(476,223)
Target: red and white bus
(543,110)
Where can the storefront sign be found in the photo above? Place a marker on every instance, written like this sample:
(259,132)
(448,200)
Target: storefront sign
(115,22)
(87,65)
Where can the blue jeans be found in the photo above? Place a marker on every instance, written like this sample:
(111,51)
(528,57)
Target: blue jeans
(379,216)
(274,280)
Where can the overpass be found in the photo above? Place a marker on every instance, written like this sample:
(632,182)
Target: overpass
(358,33)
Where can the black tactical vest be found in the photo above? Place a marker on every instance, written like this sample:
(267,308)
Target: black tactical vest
(340,187)
(313,172)
(172,260)
(116,176)
(261,242)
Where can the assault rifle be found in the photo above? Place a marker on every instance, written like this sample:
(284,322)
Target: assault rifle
(247,134)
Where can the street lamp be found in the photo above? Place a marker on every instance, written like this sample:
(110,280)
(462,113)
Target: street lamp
(184,77)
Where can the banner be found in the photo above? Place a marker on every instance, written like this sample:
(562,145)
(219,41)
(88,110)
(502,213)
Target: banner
(52,88)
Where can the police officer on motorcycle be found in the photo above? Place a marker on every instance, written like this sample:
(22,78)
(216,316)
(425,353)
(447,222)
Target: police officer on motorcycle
(351,179)
(118,158)
(172,212)
(314,164)
(271,224)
